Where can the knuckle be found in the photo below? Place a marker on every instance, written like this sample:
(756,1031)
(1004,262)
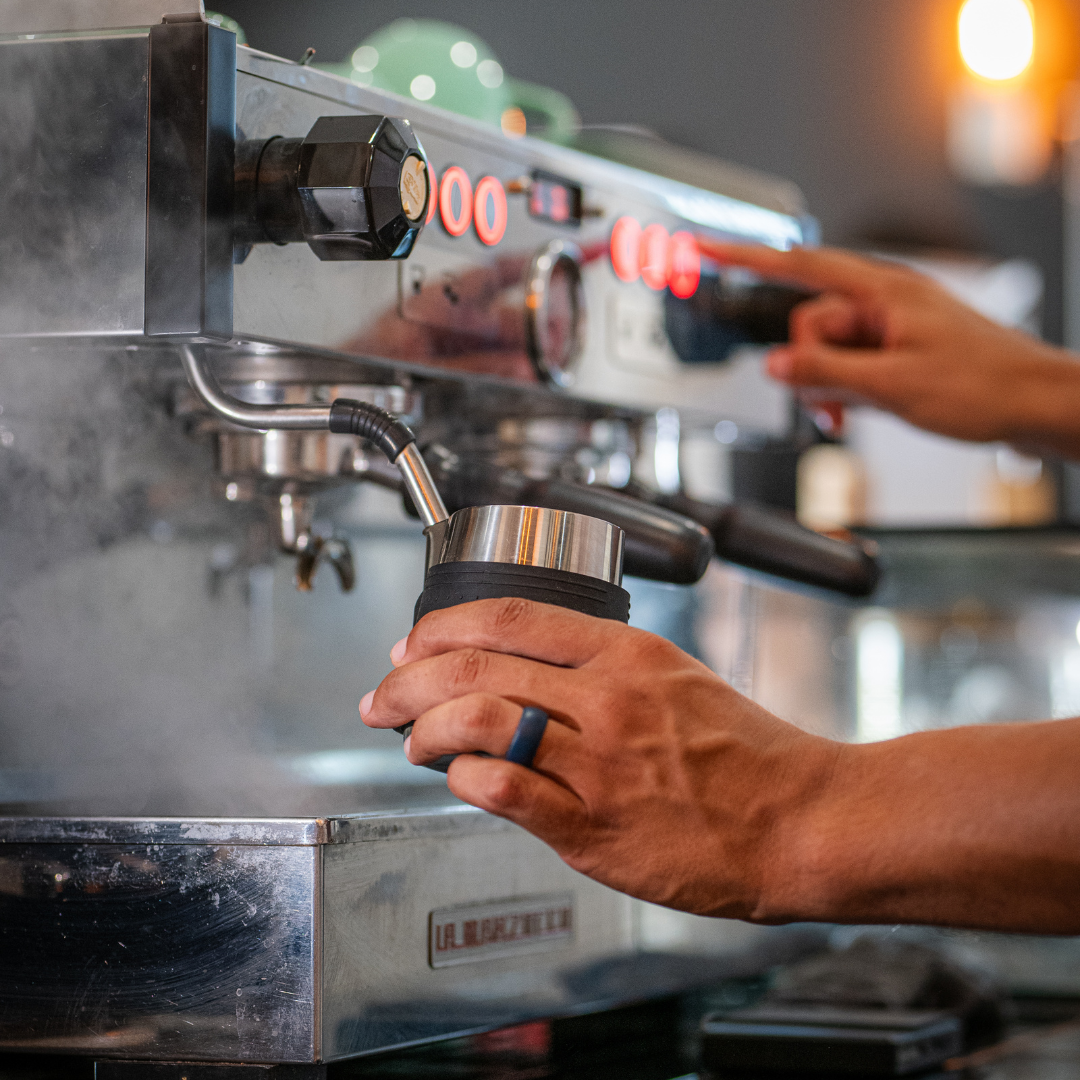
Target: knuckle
(425,624)
(804,317)
(507,789)
(482,715)
(510,612)
(651,649)
(468,668)
(387,689)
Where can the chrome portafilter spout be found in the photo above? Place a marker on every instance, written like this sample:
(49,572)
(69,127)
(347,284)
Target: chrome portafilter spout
(296,537)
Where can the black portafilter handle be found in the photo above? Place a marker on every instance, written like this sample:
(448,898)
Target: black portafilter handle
(775,543)
(671,537)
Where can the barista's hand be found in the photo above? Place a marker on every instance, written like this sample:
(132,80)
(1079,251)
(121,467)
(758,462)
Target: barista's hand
(656,778)
(653,775)
(886,335)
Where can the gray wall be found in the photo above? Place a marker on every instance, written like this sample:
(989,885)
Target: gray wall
(845,97)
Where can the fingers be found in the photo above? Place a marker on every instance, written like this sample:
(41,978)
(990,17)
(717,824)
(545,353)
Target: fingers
(415,688)
(813,268)
(552,812)
(861,371)
(829,318)
(481,722)
(543,632)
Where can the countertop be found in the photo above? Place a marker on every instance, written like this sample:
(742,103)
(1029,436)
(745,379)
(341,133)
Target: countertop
(652,1041)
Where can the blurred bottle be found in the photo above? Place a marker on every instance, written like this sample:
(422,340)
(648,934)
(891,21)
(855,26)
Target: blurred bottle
(830,479)
(1020,491)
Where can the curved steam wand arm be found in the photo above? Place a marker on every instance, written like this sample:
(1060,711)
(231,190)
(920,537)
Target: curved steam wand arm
(344,417)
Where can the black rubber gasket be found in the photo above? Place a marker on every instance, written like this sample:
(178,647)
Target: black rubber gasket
(449,584)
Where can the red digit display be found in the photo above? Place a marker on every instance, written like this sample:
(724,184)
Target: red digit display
(654,256)
(456,187)
(684,265)
(489,210)
(555,199)
(560,203)
(626,249)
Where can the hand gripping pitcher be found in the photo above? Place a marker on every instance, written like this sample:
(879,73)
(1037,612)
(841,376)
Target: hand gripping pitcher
(485,552)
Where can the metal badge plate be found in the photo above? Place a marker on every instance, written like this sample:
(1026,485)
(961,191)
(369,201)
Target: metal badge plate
(486,931)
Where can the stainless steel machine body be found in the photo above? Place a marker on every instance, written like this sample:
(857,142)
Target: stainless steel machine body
(154,661)
(102,251)
(292,940)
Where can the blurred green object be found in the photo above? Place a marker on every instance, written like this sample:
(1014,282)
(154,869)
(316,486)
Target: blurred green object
(227,23)
(455,69)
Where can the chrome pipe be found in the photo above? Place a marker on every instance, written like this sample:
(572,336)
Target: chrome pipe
(260,417)
(410,462)
(420,486)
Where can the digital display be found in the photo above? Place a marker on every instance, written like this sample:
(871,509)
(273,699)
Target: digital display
(553,199)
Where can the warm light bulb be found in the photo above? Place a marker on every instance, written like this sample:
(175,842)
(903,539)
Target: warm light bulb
(997,37)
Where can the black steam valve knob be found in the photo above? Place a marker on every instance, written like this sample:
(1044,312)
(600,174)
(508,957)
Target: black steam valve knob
(355,187)
(726,313)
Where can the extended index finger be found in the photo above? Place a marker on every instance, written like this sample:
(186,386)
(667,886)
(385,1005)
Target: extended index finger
(814,268)
(543,632)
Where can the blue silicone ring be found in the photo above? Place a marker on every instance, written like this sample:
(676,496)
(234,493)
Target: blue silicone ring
(526,740)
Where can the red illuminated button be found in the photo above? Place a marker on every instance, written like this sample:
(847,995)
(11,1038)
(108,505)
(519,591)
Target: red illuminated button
(654,256)
(626,249)
(489,210)
(455,189)
(684,265)
(433,195)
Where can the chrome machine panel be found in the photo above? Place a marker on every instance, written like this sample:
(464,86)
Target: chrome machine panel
(458,303)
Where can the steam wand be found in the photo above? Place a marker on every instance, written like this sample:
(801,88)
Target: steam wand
(342,417)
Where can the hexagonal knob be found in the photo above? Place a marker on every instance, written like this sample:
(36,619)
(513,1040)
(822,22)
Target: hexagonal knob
(356,187)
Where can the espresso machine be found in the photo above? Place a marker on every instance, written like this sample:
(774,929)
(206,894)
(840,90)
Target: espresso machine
(255,321)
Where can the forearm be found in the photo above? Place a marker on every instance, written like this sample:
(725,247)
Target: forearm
(656,778)
(973,826)
(1043,410)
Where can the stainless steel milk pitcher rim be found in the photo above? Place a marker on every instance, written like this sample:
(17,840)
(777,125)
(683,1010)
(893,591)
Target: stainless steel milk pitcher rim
(534,536)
